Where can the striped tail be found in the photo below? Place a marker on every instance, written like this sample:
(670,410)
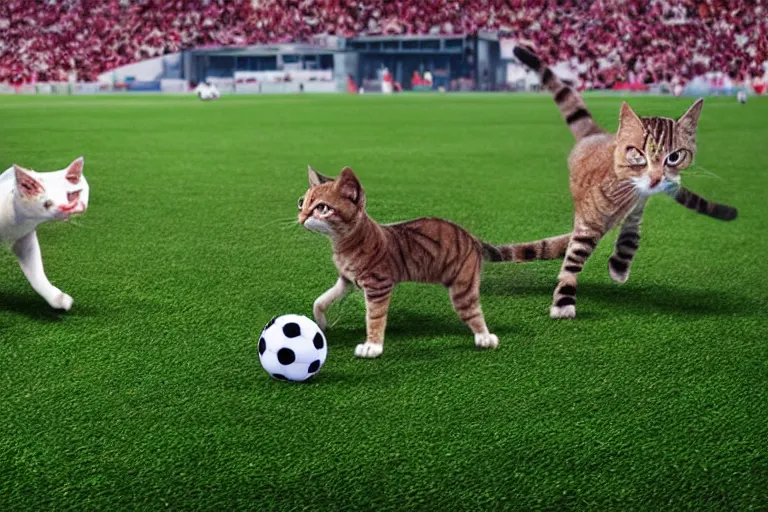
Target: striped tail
(572,107)
(547,249)
(695,202)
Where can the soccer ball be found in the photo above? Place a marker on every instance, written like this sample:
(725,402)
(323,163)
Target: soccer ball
(292,347)
(207,92)
(741,96)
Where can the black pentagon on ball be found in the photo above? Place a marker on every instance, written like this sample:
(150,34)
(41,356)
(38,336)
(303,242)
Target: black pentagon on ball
(286,356)
(314,366)
(262,346)
(318,341)
(291,330)
(279,376)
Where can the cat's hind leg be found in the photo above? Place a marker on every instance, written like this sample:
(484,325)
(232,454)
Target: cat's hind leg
(583,243)
(465,297)
(323,302)
(626,246)
(27,250)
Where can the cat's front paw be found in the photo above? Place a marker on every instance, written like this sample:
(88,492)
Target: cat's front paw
(369,350)
(568,311)
(321,321)
(319,313)
(486,340)
(62,301)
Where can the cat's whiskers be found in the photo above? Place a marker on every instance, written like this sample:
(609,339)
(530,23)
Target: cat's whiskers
(700,172)
(282,220)
(290,226)
(283,224)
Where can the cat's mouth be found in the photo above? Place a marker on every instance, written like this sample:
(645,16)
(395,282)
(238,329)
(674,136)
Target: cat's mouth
(71,209)
(645,187)
(318,225)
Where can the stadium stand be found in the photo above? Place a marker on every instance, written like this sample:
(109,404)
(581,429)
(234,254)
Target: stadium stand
(610,42)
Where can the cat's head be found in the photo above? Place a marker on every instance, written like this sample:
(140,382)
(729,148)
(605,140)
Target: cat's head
(652,151)
(53,195)
(332,206)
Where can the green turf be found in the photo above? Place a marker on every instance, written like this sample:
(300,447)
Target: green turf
(149,395)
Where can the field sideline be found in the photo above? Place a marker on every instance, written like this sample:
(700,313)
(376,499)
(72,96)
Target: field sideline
(148,395)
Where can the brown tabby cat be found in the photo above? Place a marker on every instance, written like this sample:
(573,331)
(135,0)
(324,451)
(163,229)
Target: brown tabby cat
(613,175)
(376,257)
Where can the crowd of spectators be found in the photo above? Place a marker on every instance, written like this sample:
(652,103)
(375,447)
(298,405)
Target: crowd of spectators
(652,42)
(55,40)
(611,40)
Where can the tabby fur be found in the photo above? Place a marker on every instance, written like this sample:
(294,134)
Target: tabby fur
(376,257)
(612,175)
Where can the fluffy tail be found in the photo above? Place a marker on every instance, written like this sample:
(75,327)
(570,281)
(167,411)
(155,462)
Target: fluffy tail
(547,249)
(695,202)
(572,107)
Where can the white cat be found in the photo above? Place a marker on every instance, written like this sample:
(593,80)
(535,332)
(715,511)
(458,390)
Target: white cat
(29,198)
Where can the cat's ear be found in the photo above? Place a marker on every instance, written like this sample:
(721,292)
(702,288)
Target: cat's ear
(349,186)
(690,120)
(75,171)
(629,123)
(315,178)
(26,184)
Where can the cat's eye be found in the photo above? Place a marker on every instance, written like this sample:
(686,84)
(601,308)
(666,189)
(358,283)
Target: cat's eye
(323,209)
(675,158)
(47,205)
(301,203)
(73,196)
(635,157)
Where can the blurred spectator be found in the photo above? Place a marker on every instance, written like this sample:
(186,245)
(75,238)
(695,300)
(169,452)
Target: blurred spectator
(610,41)
(63,40)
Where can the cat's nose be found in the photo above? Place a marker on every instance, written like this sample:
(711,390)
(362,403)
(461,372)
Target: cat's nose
(655,180)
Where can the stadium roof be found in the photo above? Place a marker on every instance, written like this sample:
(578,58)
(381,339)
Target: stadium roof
(267,49)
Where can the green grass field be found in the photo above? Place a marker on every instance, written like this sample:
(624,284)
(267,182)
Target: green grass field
(149,395)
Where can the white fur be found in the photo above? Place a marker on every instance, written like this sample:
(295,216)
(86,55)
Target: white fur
(369,350)
(643,185)
(323,302)
(20,216)
(318,226)
(207,92)
(486,340)
(563,311)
